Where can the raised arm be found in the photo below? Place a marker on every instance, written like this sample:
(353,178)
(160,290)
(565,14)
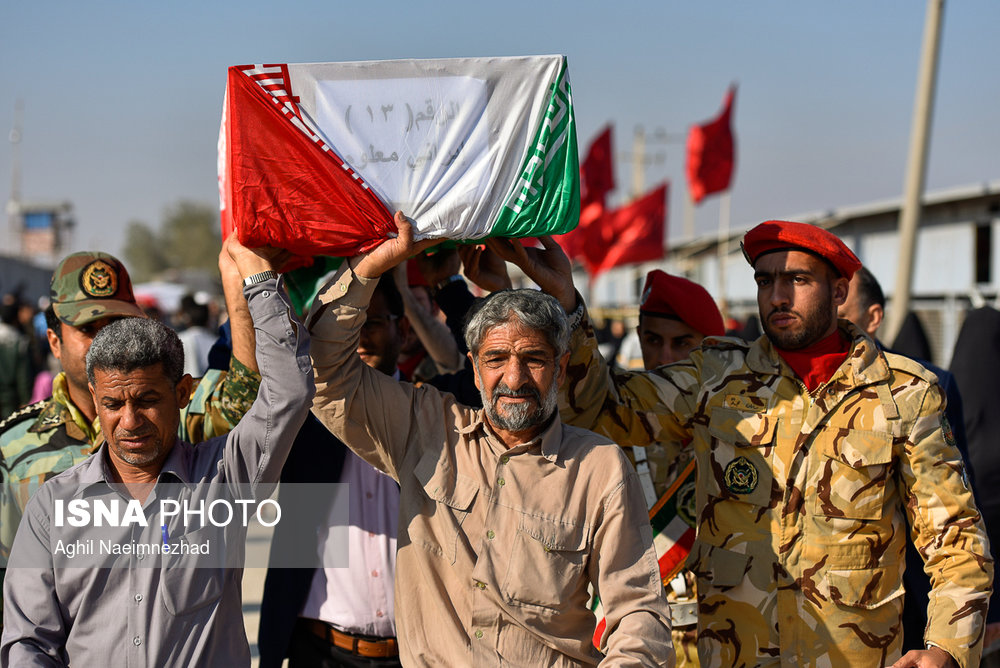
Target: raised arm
(257,447)
(369,411)
(222,398)
(435,336)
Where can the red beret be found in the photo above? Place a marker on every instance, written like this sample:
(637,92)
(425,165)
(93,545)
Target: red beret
(779,235)
(678,297)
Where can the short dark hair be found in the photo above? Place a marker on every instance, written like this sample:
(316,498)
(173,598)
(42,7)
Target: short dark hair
(8,312)
(390,293)
(132,343)
(194,314)
(869,291)
(53,322)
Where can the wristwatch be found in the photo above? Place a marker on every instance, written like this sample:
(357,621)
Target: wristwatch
(576,317)
(454,278)
(253,279)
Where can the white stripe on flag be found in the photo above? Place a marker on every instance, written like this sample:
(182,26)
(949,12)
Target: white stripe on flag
(671,533)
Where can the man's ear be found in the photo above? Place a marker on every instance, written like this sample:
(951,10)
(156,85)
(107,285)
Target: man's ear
(840,289)
(475,370)
(183,390)
(55,345)
(563,365)
(875,315)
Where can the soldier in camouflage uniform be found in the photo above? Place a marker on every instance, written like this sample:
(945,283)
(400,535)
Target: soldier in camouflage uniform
(89,290)
(675,315)
(813,447)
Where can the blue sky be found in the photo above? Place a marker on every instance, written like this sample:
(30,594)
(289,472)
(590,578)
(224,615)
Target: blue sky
(123,99)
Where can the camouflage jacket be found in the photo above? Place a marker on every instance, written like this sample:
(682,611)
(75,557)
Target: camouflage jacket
(802,498)
(50,436)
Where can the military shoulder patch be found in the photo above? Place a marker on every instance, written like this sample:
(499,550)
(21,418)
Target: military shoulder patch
(22,414)
(949,435)
(741,476)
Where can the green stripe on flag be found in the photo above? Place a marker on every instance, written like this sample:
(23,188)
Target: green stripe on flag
(547,194)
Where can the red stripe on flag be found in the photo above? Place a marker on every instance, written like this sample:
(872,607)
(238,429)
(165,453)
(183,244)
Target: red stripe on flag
(288,188)
(673,561)
(601,625)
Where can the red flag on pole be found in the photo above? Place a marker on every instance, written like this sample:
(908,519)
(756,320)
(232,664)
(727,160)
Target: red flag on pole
(711,153)
(633,233)
(597,174)
(597,179)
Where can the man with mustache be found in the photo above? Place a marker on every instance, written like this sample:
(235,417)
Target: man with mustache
(88,291)
(813,448)
(506,515)
(147,606)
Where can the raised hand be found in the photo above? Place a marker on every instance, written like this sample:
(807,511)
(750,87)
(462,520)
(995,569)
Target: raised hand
(391,251)
(548,266)
(439,266)
(484,267)
(249,261)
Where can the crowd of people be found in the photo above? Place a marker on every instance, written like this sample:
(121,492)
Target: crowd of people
(501,474)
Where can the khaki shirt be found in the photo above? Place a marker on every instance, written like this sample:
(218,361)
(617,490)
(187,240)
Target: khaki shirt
(802,498)
(497,547)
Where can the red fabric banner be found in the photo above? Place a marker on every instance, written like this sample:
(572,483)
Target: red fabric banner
(287,191)
(597,173)
(628,235)
(597,179)
(711,153)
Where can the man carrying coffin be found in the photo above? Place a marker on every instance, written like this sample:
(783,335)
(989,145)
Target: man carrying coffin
(506,515)
(169,613)
(813,448)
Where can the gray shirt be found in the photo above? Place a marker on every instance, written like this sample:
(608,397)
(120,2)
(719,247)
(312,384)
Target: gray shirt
(155,610)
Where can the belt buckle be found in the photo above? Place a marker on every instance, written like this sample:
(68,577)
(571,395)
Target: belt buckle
(684,613)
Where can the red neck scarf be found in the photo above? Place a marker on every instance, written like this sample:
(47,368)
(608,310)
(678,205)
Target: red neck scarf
(817,363)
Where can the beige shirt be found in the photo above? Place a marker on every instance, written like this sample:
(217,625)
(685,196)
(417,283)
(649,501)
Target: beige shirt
(497,547)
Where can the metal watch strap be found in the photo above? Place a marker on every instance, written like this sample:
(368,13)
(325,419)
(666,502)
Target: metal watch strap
(576,317)
(259,278)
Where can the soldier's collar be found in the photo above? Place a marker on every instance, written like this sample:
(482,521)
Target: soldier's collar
(864,361)
(62,410)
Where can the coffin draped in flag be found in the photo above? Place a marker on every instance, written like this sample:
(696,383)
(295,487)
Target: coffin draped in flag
(314,158)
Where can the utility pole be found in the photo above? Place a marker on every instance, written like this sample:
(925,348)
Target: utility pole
(725,210)
(916,168)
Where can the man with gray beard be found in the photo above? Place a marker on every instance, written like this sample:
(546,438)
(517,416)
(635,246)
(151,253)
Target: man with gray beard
(507,516)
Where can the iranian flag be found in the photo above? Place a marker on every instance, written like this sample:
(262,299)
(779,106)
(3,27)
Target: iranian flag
(315,158)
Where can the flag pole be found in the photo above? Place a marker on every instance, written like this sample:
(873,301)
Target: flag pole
(723,245)
(638,162)
(688,216)
(916,169)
